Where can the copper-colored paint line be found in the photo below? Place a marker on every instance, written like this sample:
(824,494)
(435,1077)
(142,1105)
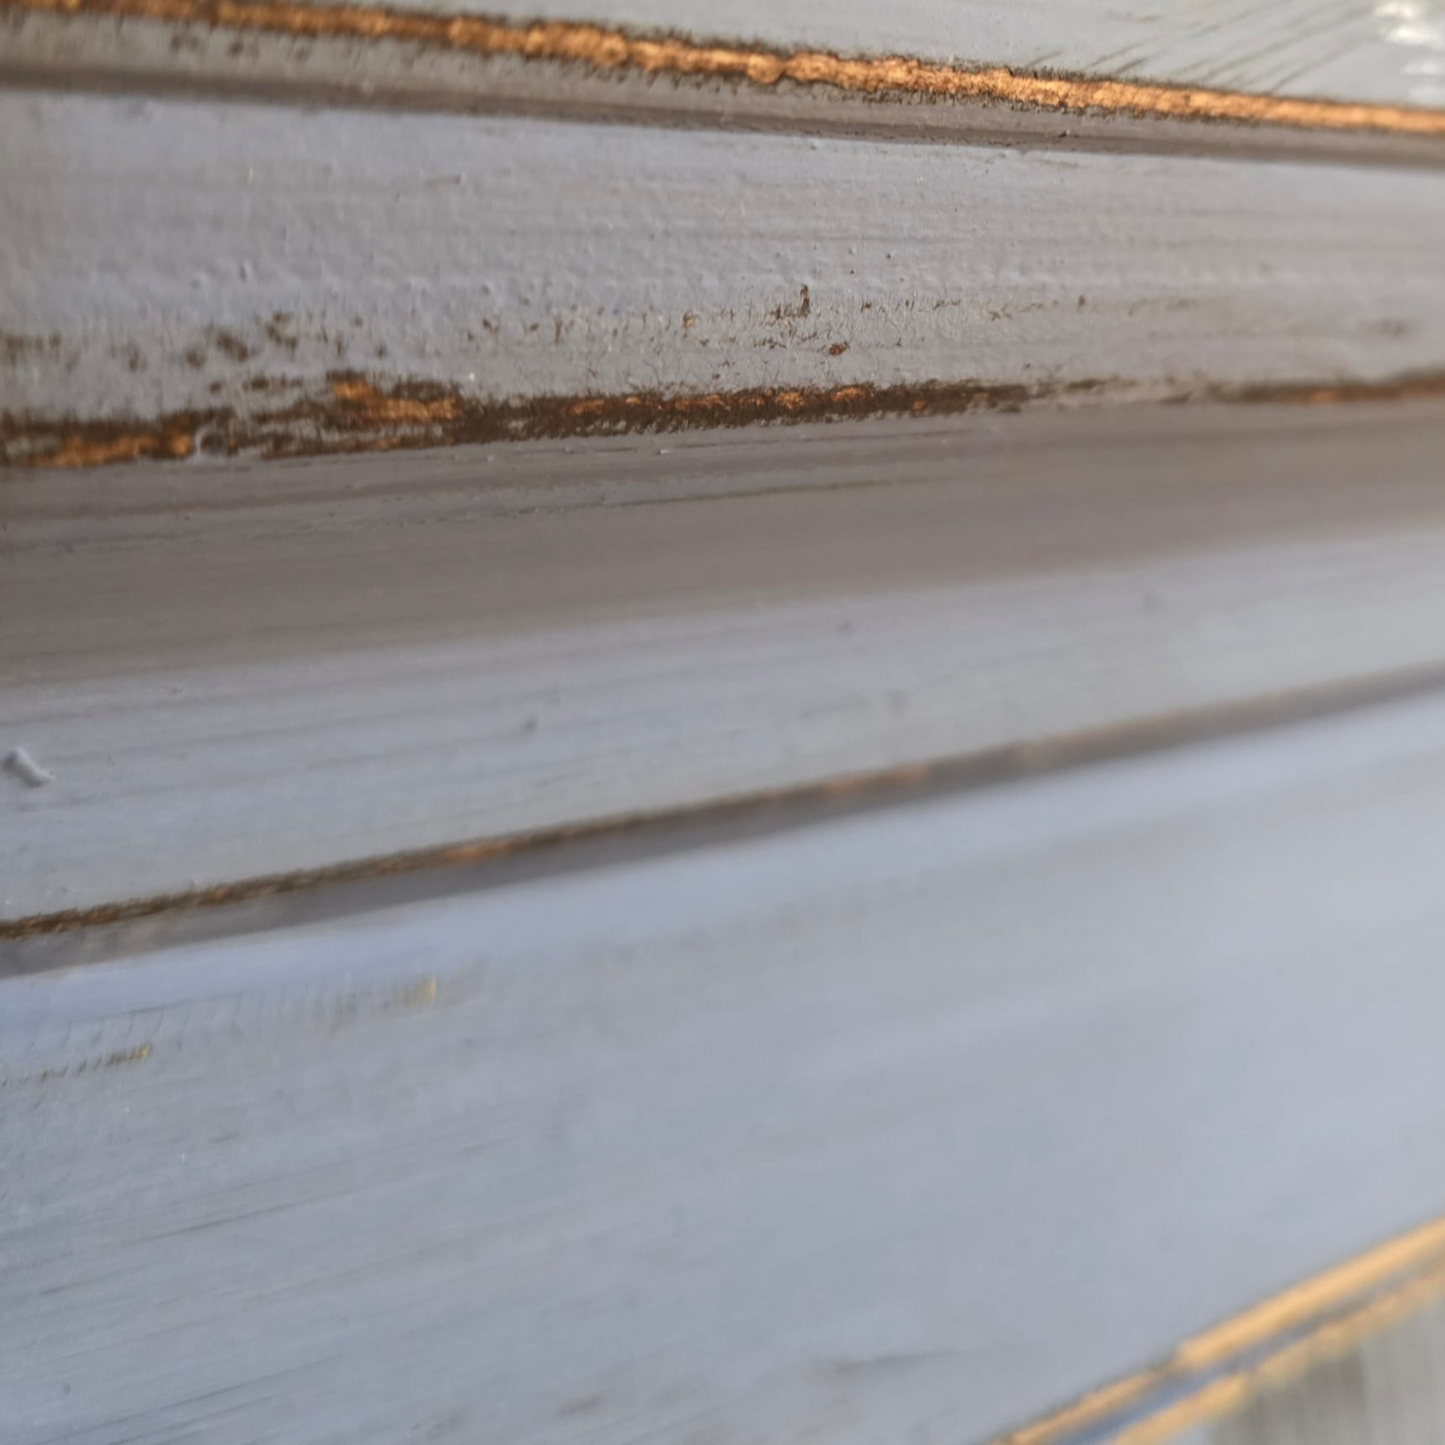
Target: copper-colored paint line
(805,803)
(608,48)
(835,791)
(1312,1297)
(1327,1341)
(1270,1319)
(357,414)
(1088,1411)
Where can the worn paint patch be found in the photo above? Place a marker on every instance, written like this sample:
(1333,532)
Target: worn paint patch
(615,49)
(96,443)
(356,413)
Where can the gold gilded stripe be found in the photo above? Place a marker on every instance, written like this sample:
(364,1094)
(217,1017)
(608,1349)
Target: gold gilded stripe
(609,48)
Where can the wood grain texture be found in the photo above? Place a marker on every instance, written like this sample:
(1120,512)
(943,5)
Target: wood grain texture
(900,1127)
(276,670)
(268,252)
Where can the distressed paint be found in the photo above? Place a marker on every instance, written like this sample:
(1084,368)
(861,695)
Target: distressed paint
(1388,53)
(903,1055)
(264,269)
(606,48)
(1385,51)
(1382,51)
(349,413)
(352,414)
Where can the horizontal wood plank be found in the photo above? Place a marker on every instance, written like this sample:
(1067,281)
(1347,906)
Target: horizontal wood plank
(230,276)
(1382,52)
(905,1126)
(288,668)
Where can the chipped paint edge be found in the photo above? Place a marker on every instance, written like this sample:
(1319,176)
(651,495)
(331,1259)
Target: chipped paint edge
(357,412)
(615,49)
(362,413)
(53,50)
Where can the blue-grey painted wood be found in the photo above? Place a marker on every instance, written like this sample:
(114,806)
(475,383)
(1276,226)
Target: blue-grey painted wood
(170,257)
(903,1126)
(1389,52)
(293,667)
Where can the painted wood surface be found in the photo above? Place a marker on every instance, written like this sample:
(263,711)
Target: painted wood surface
(223,276)
(901,1126)
(420,61)
(287,669)
(905,1122)
(1389,52)
(1379,50)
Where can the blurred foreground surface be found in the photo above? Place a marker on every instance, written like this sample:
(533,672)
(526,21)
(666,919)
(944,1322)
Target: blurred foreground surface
(905,1111)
